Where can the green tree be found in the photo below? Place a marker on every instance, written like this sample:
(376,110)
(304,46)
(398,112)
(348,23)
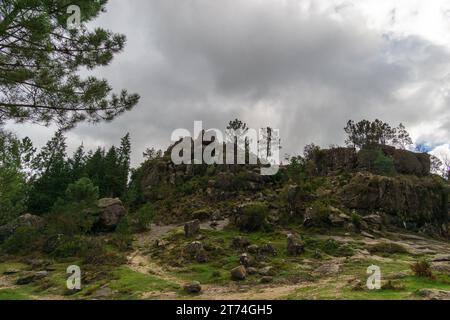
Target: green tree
(12,180)
(52,175)
(40,60)
(95,169)
(367,132)
(77,163)
(124,157)
(113,174)
(402,138)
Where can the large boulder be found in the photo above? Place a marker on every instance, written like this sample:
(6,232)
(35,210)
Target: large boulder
(239,273)
(111,212)
(407,200)
(295,246)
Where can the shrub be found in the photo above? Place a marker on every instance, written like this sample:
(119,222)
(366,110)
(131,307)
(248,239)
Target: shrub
(356,220)
(141,219)
(422,269)
(82,190)
(77,212)
(319,215)
(384,165)
(252,217)
(70,219)
(24,240)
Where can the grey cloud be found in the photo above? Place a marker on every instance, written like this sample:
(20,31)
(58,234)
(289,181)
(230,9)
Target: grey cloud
(267,63)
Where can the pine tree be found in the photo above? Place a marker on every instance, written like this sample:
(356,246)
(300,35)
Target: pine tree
(52,175)
(40,59)
(124,163)
(78,164)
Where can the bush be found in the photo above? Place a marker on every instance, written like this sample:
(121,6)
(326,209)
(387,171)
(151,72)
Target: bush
(94,252)
(252,217)
(70,219)
(422,269)
(384,165)
(141,219)
(77,212)
(82,190)
(24,240)
(356,220)
(319,216)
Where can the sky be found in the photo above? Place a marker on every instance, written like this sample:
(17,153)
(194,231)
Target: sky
(302,66)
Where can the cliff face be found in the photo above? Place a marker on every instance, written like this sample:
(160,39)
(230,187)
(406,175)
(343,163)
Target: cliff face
(349,159)
(407,200)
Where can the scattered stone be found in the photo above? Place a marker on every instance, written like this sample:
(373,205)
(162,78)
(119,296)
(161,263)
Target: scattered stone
(367,235)
(441,258)
(193,287)
(267,249)
(396,275)
(328,269)
(253,249)
(38,263)
(246,260)
(103,293)
(191,228)
(240,242)
(266,279)
(239,273)
(252,270)
(10,272)
(391,285)
(159,243)
(374,219)
(195,250)
(295,246)
(356,285)
(434,294)
(266,271)
(31,277)
(443,267)
(337,217)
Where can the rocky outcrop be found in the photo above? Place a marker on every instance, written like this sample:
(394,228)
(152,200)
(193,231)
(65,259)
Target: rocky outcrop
(407,162)
(337,159)
(408,201)
(26,220)
(348,159)
(111,211)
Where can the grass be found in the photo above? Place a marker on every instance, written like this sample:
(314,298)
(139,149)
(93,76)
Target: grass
(13,294)
(130,284)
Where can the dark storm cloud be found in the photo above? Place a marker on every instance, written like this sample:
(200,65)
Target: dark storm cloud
(269,63)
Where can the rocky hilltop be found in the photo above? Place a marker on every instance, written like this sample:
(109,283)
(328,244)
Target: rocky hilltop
(333,185)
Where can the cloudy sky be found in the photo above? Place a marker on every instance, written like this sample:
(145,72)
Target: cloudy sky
(303,66)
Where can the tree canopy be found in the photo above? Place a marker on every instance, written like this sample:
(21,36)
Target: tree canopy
(40,60)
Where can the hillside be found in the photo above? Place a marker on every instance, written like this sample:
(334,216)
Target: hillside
(309,232)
